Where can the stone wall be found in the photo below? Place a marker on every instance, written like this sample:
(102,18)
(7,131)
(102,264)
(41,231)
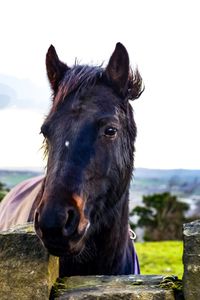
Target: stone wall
(27,271)
(191,260)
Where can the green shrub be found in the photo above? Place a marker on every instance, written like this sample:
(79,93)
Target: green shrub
(3,191)
(161,216)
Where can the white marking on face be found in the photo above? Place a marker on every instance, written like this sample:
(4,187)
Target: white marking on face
(67,144)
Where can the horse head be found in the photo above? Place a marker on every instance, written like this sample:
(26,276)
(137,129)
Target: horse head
(90,134)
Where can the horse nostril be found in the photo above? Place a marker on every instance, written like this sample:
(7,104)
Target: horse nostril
(71,223)
(70,218)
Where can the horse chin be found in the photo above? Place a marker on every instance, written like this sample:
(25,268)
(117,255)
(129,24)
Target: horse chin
(57,251)
(71,250)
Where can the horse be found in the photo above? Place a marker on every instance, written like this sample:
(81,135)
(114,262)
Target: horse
(80,207)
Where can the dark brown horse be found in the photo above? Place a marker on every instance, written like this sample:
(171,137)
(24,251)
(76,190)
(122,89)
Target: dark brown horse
(81,208)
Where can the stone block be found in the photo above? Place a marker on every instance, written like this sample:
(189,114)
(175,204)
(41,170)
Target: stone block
(130,287)
(27,271)
(191,260)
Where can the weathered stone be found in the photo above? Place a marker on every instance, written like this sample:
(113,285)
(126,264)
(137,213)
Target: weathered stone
(112,287)
(191,260)
(26,269)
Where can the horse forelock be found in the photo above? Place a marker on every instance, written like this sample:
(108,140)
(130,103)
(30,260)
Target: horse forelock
(75,80)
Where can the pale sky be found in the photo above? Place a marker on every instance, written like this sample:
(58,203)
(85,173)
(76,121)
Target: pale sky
(162,38)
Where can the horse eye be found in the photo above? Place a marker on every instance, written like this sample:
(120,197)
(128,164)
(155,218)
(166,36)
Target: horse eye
(110,131)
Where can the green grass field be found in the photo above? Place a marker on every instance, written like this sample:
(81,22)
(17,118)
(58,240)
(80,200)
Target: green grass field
(161,258)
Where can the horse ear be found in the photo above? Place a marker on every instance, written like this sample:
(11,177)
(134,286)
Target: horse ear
(55,68)
(117,70)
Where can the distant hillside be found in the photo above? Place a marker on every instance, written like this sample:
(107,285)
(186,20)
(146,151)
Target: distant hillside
(158,173)
(180,182)
(11,177)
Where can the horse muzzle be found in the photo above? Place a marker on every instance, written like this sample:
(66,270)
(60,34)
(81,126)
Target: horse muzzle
(62,229)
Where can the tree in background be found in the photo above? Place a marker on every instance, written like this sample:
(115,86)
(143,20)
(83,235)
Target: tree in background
(3,190)
(162,217)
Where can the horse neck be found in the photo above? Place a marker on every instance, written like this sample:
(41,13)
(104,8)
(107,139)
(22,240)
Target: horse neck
(112,241)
